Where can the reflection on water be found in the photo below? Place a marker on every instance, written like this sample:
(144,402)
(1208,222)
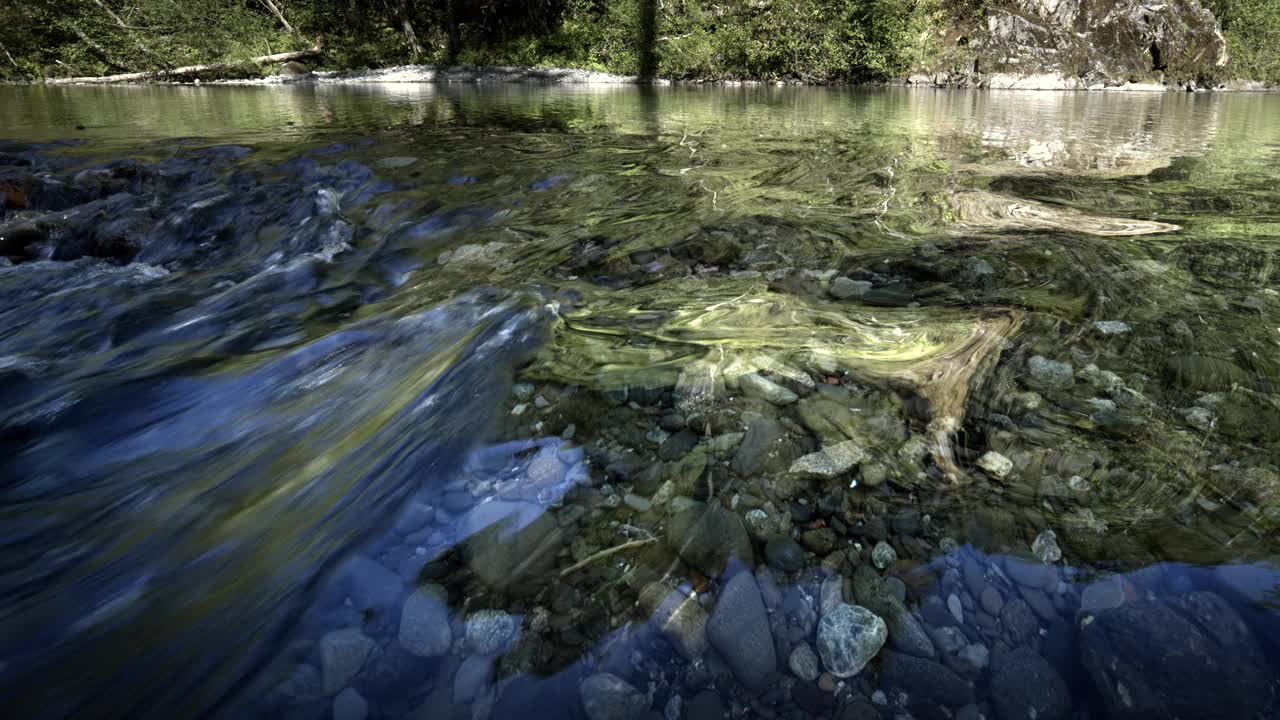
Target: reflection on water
(432,401)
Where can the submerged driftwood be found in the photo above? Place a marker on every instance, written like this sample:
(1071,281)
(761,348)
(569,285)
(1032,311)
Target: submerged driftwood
(186,71)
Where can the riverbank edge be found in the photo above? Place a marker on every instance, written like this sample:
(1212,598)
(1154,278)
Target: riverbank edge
(498,75)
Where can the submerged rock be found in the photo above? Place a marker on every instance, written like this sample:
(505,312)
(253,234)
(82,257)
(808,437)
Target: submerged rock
(830,462)
(1188,656)
(739,631)
(1025,685)
(424,622)
(708,537)
(848,637)
(757,386)
(803,663)
(606,696)
(342,654)
(488,631)
(996,465)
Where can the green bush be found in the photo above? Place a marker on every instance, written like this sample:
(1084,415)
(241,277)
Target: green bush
(1252,28)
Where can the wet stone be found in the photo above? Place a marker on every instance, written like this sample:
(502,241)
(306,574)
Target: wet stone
(883,555)
(843,288)
(608,697)
(995,464)
(489,631)
(1187,656)
(1024,685)
(348,705)
(424,622)
(757,386)
(991,600)
(473,676)
(927,679)
(803,663)
(739,631)
(848,638)
(1045,547)
(821,541)
(1044,373)
(342,654)
(784,554)
(708,537)
(829,462)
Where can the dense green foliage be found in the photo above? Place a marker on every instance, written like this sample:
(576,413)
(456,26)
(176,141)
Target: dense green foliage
(810,40)
(815,40)
(1252,28)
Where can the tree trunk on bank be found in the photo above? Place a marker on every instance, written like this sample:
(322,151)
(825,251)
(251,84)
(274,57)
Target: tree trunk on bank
(278,11)
(185,71)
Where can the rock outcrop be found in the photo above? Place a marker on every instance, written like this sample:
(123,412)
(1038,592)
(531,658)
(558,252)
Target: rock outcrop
(1079,44)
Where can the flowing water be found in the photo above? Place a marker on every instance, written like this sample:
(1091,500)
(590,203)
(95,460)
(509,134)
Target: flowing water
(616,403)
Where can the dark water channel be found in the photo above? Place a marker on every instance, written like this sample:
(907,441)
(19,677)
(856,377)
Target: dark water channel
(487,403)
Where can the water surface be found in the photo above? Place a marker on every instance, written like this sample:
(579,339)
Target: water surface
(442,401)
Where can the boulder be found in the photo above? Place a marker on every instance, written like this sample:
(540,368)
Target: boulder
(926,679)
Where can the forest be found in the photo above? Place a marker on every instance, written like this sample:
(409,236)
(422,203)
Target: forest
(804,40)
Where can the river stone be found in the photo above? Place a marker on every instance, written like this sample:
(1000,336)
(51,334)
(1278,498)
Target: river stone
(348,705)
(829,462)
(424,622)
(708,537)
(830,420)
(1205,374)
(1049,374)
(606,696)
(784,554)
(680,617)
(991,601)
(1112,327)
(848,637)
(762,449)
(905,631)
(1045,547)
(342,654)
(843,288)
(372,586)
(757,386)
(1025,685)
(996,465)
(926,679)
(739,631)
(508,542)
(1190,656)
(883,555)
(803,663)
(473,676)
(488,631)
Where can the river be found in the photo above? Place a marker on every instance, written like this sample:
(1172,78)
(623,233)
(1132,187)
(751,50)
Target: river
(442,401)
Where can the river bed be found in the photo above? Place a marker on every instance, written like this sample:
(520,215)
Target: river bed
(441,401)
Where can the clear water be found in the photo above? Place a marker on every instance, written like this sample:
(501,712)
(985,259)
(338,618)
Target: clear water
(297,381)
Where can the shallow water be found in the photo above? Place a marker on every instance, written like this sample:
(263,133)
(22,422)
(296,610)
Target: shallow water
(577,402)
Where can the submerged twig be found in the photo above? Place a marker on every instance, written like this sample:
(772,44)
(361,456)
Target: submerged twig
(607,553)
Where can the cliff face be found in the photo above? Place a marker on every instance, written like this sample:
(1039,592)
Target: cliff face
(1084,44)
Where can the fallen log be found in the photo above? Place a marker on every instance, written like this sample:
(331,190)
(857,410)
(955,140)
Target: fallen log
(187,71)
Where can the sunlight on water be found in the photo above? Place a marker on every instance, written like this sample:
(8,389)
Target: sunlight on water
(436,401)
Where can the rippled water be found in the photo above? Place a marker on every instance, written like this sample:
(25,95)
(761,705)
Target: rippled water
(527,402)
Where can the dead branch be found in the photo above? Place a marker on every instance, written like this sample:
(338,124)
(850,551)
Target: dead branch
(186,71)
